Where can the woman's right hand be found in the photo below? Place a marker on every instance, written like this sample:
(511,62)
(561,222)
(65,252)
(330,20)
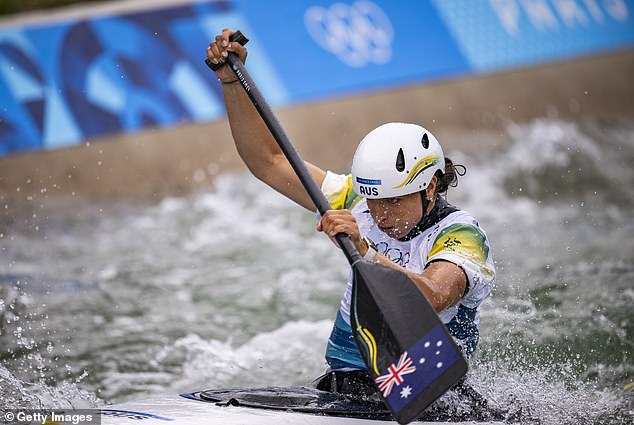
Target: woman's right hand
(218,51)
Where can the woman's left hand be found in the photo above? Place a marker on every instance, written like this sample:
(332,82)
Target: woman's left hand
(342,221)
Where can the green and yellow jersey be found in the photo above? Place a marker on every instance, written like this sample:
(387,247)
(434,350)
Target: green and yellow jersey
(456,238)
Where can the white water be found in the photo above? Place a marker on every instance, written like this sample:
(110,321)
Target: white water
(235,288)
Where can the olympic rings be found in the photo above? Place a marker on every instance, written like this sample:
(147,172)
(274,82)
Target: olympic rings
(357,34)
(393,254)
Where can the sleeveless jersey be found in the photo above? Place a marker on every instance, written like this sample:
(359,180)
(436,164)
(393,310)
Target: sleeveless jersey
(456,238)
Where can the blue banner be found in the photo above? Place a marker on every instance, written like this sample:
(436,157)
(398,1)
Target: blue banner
(334,48)
(498,34)
(62,83)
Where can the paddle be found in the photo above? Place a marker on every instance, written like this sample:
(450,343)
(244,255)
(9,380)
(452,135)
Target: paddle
(405,346)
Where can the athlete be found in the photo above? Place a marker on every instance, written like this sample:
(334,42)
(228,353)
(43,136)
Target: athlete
(393,209)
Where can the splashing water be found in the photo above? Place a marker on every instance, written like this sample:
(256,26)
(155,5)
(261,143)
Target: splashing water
(104,304)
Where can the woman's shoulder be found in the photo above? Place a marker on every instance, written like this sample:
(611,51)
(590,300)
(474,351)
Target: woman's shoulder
(460,217)
(458,221)
(339,191)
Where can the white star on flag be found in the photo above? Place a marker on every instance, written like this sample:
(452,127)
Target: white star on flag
(405,392)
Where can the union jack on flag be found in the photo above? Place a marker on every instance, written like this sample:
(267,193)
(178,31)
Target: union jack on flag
(394,375)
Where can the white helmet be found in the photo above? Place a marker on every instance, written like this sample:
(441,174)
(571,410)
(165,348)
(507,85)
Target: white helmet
(396,159)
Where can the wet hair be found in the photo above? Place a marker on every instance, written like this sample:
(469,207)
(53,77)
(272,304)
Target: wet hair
(450,177)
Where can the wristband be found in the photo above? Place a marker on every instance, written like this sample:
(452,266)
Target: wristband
(371,252)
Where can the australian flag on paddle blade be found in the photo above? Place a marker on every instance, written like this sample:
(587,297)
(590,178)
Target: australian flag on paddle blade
(417,368)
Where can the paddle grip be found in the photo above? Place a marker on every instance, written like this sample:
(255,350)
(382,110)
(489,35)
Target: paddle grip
(287,147)
(236,36)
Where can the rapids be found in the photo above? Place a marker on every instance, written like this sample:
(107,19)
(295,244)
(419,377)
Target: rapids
(233,287)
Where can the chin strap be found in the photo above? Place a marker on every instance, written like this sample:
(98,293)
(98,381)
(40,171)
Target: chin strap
(441,210)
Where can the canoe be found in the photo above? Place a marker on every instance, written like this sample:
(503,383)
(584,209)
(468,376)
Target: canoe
(266,406)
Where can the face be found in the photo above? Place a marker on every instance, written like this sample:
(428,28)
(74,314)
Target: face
(396,216)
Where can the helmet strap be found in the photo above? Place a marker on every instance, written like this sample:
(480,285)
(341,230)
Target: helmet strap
(440,210)
(425,203)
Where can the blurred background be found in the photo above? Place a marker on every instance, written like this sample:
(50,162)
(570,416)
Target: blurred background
(9,7)
(139,258)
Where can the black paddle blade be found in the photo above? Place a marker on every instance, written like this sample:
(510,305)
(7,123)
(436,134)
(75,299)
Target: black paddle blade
(406,348)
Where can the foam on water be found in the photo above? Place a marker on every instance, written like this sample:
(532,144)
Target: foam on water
(194,363)
(535,397)
(290,355)
(17,393)
(235,288)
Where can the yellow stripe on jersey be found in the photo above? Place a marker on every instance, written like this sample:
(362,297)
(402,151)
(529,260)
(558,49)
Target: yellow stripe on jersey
(343,197)
(464,240)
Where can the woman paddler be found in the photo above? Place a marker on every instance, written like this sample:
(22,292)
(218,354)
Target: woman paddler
(392,207)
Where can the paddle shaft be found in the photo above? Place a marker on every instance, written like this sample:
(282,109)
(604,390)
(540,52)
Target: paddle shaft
(287,147)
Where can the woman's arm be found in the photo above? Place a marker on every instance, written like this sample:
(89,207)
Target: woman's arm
(254,142)
(443,283)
